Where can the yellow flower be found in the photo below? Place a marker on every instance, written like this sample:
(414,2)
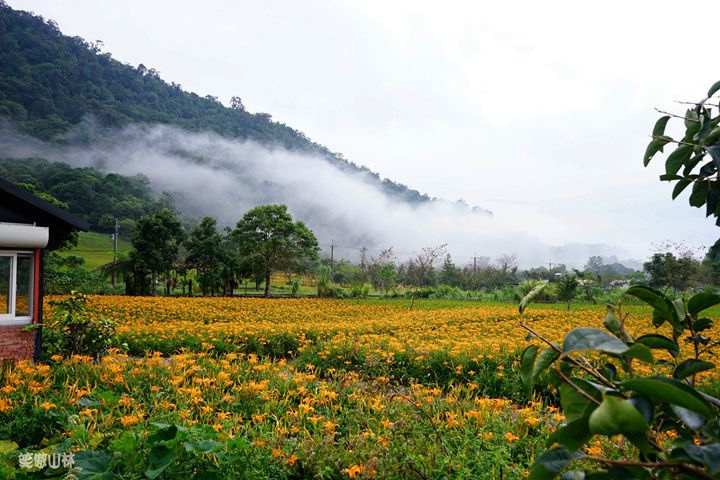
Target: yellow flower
(511,437)
(88,412)
(128,420)
(354,471)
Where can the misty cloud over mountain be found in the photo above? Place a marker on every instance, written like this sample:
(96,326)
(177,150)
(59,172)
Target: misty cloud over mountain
(211,175)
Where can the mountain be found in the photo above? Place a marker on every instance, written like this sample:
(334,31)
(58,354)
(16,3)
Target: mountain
(50,82)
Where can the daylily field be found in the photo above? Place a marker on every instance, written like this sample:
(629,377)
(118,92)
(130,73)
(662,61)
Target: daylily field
(297,388)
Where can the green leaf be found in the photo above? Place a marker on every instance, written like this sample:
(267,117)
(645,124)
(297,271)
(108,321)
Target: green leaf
(615,416)
(640,352)
(87,402)
(164,433)
(690,367)
(203,446)
(713,199)
(575,405)
(531,296)
(527,362)
(160,458)
(713,89)
(692,163)
(688,417)
(547,356)
(679,306)
(551,462)
(708,455)
(699,194)
(680,187)
(656,145)
(659,128)
(572,436)
(580,339)
(93,465)
(702,324)
(644,406)
(659,342)
(612,323)
(660,303)
(670,391)
(677,158)
(713,136)
(701,301)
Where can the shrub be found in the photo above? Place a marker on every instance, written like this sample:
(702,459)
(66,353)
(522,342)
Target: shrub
(74,329)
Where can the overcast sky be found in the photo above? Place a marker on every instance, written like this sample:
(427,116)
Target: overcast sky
(539,111)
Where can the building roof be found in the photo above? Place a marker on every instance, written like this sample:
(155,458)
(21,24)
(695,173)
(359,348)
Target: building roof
(20,206)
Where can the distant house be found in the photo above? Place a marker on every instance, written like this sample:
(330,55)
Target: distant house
(28,227)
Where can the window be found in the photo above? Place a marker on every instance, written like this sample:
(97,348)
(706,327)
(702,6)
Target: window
(16,287)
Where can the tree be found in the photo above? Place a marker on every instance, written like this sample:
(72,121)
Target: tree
(567,288)
(595,265)
(386,277)
(156,241)
(450,274)
(204,244)
(269,235)
(665,269)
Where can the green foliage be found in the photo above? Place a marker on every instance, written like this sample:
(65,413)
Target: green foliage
(597,401)
(64,274)
(268,236)
(666,269)
(97,197)
(75,329)
(532,295)
(294,286)
(359,290)
(567,288)
(325,286)
(207,255)
(696,156)
(156,241)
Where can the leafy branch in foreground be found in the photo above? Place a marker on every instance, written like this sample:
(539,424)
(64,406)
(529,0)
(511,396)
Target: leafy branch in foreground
(688,163)
(609,397)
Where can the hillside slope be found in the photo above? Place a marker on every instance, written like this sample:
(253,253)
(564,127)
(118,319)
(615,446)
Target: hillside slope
(50,82)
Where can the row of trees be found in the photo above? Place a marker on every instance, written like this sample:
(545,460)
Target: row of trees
(265,240)
(268,240)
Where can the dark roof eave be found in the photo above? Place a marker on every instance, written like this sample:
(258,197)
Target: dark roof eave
(47,207)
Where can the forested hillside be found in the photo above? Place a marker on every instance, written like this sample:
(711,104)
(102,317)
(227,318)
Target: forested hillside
(96,197)
(50,82)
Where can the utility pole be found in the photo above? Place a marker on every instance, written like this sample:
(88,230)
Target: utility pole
(332,256)
(115,243)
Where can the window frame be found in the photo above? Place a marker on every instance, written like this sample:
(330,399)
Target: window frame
(10,319)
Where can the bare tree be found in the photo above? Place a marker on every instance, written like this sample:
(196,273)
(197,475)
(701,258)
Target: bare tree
(363,262)
(424,263)
(507,263)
